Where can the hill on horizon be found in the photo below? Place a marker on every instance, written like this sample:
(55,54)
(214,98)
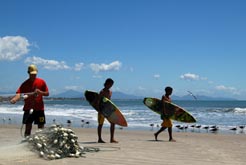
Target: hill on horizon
(76,94)
(121,95)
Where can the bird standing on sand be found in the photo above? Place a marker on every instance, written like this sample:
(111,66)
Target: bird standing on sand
(234,129)
(82,123)
(214,129)
(152,126)
(54,121)
(242,127)
(87,123)
(69,123)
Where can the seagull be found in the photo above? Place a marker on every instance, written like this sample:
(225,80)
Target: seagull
(214,126)
(181,127)
(192,126)
(87,123)
(54,121)
(152,125)
(178,126)
(69,123)
(234,129)
(198,126)
(214,129)
(242,126)
(192,95)
(9,120)
(82,123)
(206,127)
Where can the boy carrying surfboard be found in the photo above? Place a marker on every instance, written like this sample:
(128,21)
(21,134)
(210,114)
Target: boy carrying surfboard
(167,123)
(106,92)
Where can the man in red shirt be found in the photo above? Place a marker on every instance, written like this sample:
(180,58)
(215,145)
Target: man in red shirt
(33,89)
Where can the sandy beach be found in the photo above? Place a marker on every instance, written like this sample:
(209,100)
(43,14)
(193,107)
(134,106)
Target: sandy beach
(134,148)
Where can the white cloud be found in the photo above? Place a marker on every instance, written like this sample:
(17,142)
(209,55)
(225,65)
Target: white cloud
(105,67)
(97,76)
(52,64)
(190,76)
(75,88)
(141,88)
(13,47)
(78,66)
(157,76)
(232,90)
(47,64)
(224,88)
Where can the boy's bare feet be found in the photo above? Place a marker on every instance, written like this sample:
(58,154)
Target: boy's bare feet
(172,140)
(113,141)
(101,141)
(156,137)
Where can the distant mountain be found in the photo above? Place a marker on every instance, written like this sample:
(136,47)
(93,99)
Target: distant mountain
(69,94)
(76,94)
(121,95)
(200,97)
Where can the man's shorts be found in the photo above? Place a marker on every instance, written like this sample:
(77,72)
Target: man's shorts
(100,119)
(38,117)
(167,123)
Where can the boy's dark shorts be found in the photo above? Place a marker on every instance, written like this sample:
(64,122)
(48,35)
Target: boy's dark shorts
(37,116)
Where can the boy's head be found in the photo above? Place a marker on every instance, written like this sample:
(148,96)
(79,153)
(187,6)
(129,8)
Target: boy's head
(169,90)
(109,82)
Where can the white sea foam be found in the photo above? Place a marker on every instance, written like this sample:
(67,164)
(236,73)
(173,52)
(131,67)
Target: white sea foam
(240,110)
(11,109)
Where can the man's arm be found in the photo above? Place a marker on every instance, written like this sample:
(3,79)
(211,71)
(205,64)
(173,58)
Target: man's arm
(15,98)
(43,93)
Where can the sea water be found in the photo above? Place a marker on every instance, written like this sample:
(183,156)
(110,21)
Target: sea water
(222,114)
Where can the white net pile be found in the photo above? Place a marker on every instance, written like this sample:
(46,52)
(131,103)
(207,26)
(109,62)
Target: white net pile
(56,142)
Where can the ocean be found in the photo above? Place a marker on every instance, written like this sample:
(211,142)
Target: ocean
(223,114)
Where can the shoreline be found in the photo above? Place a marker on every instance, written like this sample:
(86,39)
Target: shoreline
(134,147)
(138,116)
(15,120)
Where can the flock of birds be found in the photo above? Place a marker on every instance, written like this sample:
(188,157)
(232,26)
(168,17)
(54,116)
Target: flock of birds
(5,120)
(198,127)
(69,122)
(192,128)
(212,128)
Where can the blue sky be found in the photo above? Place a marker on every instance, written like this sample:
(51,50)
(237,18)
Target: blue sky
(144,45)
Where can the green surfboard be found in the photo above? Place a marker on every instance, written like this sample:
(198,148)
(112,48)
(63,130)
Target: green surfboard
(174,111)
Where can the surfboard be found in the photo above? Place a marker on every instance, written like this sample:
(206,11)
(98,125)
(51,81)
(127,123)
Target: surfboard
(173,111)
(106,107)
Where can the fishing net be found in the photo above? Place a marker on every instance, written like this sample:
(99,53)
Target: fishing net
(56,142)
